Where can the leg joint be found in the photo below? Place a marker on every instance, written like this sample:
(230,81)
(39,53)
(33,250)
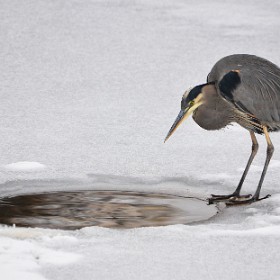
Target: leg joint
(270,149)
(255,147)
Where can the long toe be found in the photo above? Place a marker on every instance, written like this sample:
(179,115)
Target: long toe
(220,198)
(231,195)
(232,202)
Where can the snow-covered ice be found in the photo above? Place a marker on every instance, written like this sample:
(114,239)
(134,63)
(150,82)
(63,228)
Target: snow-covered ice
(90,89)
(24,166)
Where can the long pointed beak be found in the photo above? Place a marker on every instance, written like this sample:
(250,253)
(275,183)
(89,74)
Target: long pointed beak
(180,118)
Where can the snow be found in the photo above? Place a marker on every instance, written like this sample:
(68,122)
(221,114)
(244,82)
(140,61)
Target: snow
(24,166)
(22,258)
(89,89)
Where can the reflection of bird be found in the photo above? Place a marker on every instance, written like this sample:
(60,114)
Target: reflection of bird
(240,88)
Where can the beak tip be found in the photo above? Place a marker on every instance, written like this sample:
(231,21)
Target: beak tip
(184,113)
(167,137)
(177,122)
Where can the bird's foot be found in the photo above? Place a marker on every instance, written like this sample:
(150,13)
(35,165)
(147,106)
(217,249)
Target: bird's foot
(232,202)
(233,196)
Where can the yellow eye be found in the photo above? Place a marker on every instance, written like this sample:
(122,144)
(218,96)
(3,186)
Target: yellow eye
(191,103)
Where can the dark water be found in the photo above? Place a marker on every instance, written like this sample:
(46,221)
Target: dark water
(113,209)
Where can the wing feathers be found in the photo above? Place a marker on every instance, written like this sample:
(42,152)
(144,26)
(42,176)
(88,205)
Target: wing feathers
(254,91)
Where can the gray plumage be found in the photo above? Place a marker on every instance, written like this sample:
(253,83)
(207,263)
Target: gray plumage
(240,88)
(258,94)
(216,112)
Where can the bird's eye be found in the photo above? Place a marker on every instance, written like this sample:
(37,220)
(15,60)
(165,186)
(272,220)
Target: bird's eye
(191,103)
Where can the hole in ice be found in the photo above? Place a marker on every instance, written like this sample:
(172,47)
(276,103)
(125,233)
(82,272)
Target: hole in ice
(113,209)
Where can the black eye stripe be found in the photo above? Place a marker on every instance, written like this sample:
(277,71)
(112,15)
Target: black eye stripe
(195,92)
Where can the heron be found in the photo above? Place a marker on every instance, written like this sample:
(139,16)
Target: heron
(242,89)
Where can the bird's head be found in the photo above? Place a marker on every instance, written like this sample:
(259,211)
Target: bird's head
(191,100)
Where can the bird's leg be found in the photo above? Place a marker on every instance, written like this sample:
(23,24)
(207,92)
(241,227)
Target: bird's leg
(236,193)
(269,153)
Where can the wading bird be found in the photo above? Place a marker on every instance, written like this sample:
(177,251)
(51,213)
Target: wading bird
(240,88)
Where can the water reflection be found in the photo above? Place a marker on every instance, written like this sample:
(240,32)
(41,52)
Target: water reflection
(74,210)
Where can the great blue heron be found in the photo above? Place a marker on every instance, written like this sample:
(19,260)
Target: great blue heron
(240,88)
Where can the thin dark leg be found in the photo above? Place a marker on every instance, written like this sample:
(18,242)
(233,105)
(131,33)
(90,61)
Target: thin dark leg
(269,153)
(255,147)
(236,193)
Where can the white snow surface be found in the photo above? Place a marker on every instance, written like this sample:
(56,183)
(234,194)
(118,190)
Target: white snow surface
(24,166)
(90,88)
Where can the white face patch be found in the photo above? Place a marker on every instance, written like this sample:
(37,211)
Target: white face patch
(185,95)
